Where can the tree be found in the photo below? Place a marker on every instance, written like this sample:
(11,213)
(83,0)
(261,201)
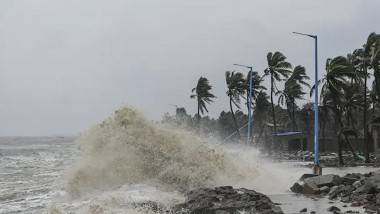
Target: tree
(261,111)
(338,72)
(203,95)
(366,58)
(257,86)
(277,69)
(293,91)
(236,85)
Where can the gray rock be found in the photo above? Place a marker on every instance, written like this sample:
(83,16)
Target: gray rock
(332,189)
(310,188)
(368,187)
(335,191)
(357,184)
(297,188)
(333,209)
(324,189)
(378,199)
(304,210)
(226,200)
(305,176)
(325,180)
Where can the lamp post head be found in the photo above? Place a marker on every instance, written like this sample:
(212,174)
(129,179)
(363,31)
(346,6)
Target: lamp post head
(305,34)
(245,66)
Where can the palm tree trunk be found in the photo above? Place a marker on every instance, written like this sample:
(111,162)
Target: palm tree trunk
(260,134)
(294,116)
(340,123)
(233,116)
(365,129)
(341,163)
(350,147)
(199,119)
(271,101)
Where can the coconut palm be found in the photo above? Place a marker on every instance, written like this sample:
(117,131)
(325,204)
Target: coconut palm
(203,95)
(236,85)
(338,73)
(256,87)
(371,58)
(293,91)
(261,111)
(366,58)
(278,68)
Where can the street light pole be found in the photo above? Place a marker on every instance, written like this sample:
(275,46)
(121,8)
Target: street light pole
(317,169)
(250,115)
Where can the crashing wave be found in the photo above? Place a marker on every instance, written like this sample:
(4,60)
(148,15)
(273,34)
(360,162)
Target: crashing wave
(128,149)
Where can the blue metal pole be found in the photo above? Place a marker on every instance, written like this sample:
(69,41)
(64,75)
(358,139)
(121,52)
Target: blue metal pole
(250,106)
(316,115)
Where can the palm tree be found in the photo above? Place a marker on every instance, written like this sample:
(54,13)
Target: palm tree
(277,69)
(203,95)
(261,111)
(371,57)
(256,86)
(338,72)
(366,58)
(293,91)
(236,85)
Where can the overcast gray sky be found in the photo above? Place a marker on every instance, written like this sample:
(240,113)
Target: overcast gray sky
(67,64)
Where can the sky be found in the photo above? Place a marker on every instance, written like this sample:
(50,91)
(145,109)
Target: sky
(66,65)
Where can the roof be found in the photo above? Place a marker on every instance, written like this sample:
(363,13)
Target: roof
(287,134)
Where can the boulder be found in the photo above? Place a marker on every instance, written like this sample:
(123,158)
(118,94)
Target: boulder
(367,188)
(324,189)
(333,209)
(335,191)
(226,200)
(357,184)
(306,175)
(310,188)
(349,179)
(325,180)
(297,188)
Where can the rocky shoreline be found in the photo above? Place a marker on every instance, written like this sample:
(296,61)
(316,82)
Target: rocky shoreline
(355,189)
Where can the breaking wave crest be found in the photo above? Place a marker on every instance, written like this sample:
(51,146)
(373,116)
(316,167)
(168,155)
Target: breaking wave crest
(127,149)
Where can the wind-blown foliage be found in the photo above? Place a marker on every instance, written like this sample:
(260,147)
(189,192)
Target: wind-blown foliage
(203,95)
(236,85)
(293,91)
(278,68)
(257,86)
(338,73)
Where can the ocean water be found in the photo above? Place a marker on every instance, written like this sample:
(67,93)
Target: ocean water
(31,171)
(128,165)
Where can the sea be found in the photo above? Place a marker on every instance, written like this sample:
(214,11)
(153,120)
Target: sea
(126,164)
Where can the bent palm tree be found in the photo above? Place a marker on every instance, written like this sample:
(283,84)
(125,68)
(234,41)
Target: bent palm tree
(203,95)
(366,58)
(236,85)
(261,111)
(256,87)
(293,91)
(338,72)
(277,69)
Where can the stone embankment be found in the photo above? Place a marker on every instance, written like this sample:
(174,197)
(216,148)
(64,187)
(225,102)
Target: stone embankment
(355,188)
